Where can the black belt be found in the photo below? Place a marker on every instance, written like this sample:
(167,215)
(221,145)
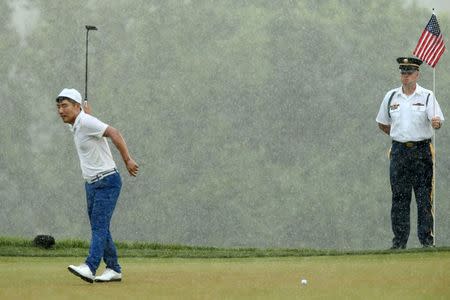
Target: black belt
(101,175)
(412,144)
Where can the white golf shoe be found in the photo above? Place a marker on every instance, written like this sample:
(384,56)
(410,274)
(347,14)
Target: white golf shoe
(82,271)
(108,276)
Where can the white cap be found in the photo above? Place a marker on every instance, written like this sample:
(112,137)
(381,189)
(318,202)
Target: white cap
(71,94)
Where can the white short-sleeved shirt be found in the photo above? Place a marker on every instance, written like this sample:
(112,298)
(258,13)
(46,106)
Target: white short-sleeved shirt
(410,116)
(92,148)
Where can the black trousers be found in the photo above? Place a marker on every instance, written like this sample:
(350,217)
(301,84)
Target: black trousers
(411,168)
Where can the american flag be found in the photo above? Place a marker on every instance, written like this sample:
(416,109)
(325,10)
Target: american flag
(431,43)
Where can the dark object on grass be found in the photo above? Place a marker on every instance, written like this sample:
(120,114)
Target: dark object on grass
(44,241)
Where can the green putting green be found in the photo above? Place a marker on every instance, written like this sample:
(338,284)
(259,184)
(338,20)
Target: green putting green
(423,275)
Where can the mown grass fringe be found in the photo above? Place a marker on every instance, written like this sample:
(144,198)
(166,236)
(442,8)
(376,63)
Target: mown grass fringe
(15,246)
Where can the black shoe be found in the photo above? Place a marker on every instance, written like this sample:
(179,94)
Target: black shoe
(398,247)
(428,246)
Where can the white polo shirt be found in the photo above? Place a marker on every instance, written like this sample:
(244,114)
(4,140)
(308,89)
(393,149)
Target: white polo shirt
(92,148)
(410,116)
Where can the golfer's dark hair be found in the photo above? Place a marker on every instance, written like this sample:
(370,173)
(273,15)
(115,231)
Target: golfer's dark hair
(60,99)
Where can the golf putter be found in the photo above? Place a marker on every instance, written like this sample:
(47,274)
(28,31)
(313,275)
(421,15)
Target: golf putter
(88,28)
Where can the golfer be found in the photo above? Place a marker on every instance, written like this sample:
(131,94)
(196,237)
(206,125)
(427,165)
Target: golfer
(408,114)
(103,182)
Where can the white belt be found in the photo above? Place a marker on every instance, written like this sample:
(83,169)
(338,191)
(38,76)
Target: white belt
(101,175)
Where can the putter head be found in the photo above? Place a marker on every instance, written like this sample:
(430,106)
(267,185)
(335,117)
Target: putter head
(90,27)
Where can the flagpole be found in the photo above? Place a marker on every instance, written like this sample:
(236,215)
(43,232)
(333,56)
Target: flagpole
(433,203)
(433,207)
(429,48)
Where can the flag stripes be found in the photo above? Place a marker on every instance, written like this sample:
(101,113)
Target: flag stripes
(431,44)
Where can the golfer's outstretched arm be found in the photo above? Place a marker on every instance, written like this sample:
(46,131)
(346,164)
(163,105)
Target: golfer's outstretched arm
(120,144)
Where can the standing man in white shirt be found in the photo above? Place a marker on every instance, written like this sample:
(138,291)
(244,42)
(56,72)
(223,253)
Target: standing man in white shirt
(102,182)
(409,114)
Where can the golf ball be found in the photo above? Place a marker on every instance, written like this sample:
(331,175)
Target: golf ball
(304,282)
